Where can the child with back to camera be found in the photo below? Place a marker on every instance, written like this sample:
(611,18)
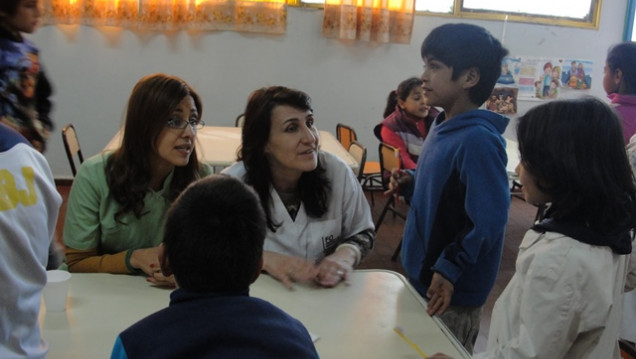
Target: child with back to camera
(24,88)
(459,195)
(407,119)
(564,300)
(213,244)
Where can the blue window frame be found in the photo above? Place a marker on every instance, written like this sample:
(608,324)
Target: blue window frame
(630,34)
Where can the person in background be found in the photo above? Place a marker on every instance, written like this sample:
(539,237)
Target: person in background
(407,120)
(24,88)
(459,194)
(619,82)
(213,244)
(29,208)
(118,199)
(564,300)
(319,220)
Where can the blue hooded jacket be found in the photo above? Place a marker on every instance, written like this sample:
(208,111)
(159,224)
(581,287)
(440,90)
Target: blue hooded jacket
(459,206)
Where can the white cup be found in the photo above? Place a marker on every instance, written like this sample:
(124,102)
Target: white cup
(56,290)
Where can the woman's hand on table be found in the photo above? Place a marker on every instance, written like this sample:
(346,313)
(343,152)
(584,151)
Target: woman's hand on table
(146,260)
(336,267)
(288,269)
(160,280)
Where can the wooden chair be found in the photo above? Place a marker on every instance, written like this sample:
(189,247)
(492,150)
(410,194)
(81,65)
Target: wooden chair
(72,147)
(389,160)
(359,152)
(240,119)
(345,135)
(370,178)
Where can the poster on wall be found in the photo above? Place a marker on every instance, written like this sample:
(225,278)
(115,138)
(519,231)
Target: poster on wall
(538,78)
(503,100)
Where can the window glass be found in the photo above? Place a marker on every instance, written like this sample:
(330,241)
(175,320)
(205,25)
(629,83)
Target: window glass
(440,6)
(574,13)
(578,9)
(630,28)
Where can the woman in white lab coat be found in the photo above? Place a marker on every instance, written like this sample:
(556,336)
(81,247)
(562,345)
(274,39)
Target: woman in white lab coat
(319,221)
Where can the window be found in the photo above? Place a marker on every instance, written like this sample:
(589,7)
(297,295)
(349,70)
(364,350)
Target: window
(630,29)
(575,13)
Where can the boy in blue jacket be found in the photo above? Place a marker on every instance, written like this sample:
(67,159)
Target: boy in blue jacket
(213,245)
(459,195)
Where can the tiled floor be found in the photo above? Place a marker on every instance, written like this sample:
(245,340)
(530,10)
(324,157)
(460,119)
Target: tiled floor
(387,239)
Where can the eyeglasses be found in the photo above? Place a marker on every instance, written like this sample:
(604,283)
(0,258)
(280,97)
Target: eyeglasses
(180,124)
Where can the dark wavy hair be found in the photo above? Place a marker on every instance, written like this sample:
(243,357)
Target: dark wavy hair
(575,150)
(403,91)
(214,235)
(623,56)
(314,187)
(128,170)
(464,46)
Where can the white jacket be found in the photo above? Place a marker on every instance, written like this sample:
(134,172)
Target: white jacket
(28,214)
(348,214)
(564,301)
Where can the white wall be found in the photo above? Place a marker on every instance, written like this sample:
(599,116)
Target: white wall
(94,69)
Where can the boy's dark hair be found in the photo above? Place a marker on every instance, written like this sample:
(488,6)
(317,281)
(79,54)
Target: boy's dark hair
(314,187)
(575,150)
(214,235)
(464,46)
(9,7)
(402,92)
(623,56)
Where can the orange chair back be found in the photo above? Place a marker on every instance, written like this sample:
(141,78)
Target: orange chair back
(345,134)
(389,160)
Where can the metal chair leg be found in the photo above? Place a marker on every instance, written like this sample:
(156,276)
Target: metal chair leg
(395,255)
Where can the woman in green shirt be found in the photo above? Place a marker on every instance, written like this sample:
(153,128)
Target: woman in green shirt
(117,203)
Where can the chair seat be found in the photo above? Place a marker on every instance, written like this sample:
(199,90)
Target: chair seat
(371,167)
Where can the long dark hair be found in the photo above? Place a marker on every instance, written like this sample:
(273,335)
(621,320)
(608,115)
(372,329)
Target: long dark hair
(623,56)
(314,187)
(128,170)
(403,91)
(575,150)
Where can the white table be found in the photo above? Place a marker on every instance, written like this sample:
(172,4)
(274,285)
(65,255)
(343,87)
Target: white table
(354,321)
(512,150)
(218,145)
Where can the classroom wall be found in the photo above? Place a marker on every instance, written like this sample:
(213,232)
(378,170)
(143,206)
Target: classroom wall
(93,70)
